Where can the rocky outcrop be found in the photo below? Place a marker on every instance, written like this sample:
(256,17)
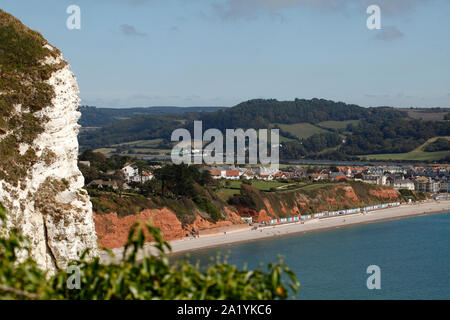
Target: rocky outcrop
(112,230)
(40,184)
(390,194)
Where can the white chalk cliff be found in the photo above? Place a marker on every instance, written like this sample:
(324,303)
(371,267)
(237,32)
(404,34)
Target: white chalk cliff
(46,202)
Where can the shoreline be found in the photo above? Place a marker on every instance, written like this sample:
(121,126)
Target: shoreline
(186,245)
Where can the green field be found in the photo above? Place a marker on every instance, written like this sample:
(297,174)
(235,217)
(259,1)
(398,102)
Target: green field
(106,151)
(226,194)
(301,130)
(138,148)
(136,153)
(235,186)
(315,186)
(337,124)
(413,155)
(140,143)
(257,184)
(284,139)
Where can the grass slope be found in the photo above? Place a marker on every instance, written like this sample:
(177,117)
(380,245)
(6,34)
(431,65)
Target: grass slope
(412,156)
(338,124)
(301,130)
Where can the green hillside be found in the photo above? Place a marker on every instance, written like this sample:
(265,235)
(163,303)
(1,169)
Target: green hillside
(337,124)
(411,156)
(301,130)
(316,128)
(100,117)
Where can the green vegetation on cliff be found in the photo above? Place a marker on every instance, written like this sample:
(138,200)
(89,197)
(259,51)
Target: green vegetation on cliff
(24,91)
(186,190)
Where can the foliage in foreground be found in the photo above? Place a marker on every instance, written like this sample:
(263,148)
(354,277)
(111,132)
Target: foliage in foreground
(151,277)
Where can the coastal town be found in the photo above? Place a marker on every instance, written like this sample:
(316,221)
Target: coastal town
(431,179)
(426,179)
(195,154)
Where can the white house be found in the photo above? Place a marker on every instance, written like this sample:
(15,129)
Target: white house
(147,176)
(248,175)
(266,176)
(132,174)
(404,184)
(129,172)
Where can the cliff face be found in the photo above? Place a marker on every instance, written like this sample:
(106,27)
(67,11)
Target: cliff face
(40,183)
(112,230)
(266,206)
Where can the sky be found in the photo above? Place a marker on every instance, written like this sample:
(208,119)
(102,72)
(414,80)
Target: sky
(140,53)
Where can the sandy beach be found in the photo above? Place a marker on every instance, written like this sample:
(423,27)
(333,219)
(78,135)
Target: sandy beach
(246,234)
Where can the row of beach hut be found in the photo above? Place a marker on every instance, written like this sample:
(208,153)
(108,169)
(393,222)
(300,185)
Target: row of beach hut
(334,213)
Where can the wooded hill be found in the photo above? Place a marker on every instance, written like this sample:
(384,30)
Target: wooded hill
(100,117)
(316,128)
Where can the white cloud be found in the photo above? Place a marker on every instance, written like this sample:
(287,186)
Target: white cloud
(232,9)
(389,33)
(129,30)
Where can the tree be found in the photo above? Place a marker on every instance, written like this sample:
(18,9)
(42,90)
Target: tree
(89,173)
(334,169)
(149,187)
(179,179)
(441,144)
(97,159)
(141,166)
(119,178)
(205,178)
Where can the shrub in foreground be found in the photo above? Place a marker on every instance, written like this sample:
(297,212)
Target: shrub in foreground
(150,277)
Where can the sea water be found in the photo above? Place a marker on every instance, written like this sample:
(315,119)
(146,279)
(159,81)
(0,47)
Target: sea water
(413,255)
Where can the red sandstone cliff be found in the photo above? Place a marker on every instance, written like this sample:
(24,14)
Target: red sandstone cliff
(112,230)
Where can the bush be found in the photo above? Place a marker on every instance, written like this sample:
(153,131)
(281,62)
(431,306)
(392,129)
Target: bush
(152,277)
(205,205)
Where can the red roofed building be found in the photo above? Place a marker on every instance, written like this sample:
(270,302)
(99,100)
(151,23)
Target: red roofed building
(232,174)
(215,174)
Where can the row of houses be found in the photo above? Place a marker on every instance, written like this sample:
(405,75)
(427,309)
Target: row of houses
(398,177)
(130,174)
(425,184)
(261,173)
(426,179)
(433,179)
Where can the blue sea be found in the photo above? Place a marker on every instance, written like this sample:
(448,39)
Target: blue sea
(413,255)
